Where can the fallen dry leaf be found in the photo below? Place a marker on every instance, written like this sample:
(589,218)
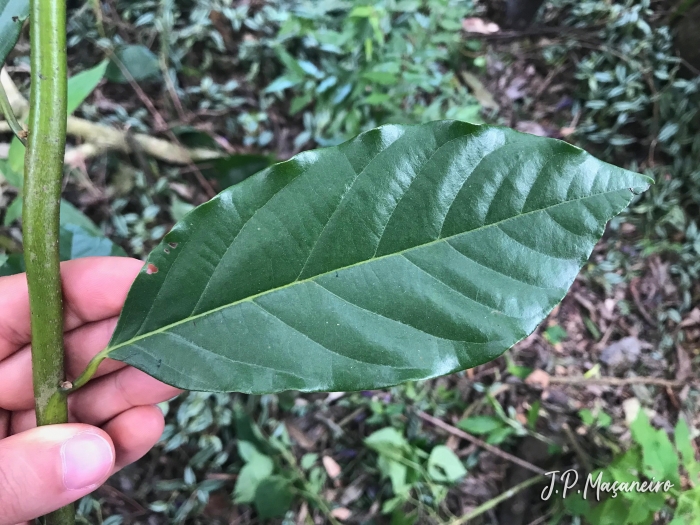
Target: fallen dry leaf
(622,355)
(538,378)
(332,468)
(692,319)
(684,366)
(533,128)
(567,131)
(515,90)
(341,513)
(299,437)
(479,91)
(478,25)
(351,494)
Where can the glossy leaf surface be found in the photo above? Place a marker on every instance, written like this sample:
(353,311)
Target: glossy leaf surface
(138,60)
(403,254)
(80,86)
(13,13)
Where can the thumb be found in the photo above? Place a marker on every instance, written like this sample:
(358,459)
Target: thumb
(45,468)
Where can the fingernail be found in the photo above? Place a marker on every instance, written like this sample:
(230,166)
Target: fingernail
(87,459)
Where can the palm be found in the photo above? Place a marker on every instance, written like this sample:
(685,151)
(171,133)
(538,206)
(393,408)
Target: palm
(119,399)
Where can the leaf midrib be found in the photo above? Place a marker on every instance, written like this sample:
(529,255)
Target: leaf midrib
(111,349)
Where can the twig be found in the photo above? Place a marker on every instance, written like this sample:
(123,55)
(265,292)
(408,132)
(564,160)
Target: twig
(616,381)
(535,31)
(6,109)
(159,120)
(548,80)
(167,18)
(494,450)
(160,123)
(582,456)
(580,299)
(118,494)
(352,415)
(104,138)
(18,103)
(640,306)
(101,139)
(498,499)
(541,518)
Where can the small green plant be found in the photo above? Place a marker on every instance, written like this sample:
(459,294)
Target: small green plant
(417,477)
(653,477)
(350,66)
(405,253)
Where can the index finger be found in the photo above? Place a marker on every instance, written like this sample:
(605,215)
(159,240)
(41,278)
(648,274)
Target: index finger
(94,288)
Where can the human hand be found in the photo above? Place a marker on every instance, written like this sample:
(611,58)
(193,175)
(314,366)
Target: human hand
(113,420)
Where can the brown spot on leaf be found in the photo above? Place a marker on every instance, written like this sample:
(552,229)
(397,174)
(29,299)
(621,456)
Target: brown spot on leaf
(173,245)
(151,269)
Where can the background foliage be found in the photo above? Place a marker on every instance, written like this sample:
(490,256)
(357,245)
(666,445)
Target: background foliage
(265,79)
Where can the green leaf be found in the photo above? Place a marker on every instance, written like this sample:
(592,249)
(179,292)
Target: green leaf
(81,85)
(79,88)
(480,424)
(273,497)
(683,441)
(380,77)
(179,208)
(555,334)
(253,472)
(280,84)
(377,98)
(13,264)
(397,473)
(13,169)
(247,450)
(387,440)
(15,159)
(12,14)
(659,458)
(72,215)
(76,243)
(499,435)
(308,460)
(138,60)
(290,62)
(13,211)
(403,254)
(444,466)
(236,168)
(688,508)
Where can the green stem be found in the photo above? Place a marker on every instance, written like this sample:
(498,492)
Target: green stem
(484,507)
(40,218)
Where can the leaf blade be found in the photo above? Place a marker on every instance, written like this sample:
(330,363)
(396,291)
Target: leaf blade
(80,86)
(13,13)
(397,267)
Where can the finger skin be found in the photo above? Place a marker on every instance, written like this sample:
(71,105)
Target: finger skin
(117,392)
(94,288)
(134,433)
(81,345)
(33,472)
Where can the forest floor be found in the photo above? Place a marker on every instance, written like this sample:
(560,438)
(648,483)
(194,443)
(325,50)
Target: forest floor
(626,336)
